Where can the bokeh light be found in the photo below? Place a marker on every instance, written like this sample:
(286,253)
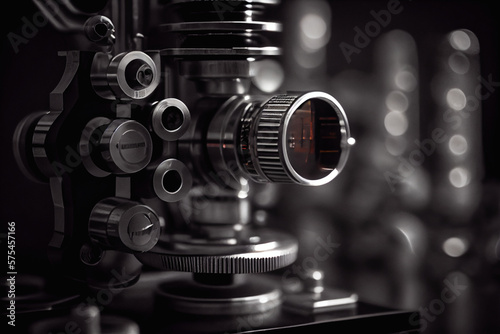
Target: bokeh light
(459,177)
(455,246)
(458,144)
(456,99)
(396,123)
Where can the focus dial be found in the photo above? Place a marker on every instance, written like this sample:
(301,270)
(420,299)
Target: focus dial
(296,139)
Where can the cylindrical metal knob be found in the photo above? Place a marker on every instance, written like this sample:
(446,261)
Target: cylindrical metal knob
(23,147)
(124,225)
(126,146)
(172,180)
(99,29)
(170,119)
(128,75)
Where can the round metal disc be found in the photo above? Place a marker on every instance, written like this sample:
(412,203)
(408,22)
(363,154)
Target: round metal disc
(222,26)
(261,252)
(236,51)
(250,295)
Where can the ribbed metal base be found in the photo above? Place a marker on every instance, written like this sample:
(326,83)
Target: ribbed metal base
(262,252)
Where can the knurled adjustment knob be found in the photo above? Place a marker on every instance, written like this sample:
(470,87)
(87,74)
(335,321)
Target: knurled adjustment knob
(269,130)
(126,146)
(124,225)
(300,139)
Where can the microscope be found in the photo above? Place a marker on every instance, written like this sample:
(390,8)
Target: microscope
(154,142)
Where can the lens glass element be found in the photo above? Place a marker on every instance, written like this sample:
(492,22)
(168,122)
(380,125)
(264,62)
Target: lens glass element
(314,139)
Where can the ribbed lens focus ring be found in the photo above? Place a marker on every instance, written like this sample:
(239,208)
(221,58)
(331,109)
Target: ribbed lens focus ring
(295,139)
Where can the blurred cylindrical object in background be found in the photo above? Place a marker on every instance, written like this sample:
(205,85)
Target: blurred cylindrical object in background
(308,24)
(458,90)
(397,70)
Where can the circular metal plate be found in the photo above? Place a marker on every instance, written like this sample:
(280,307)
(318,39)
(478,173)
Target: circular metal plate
(236,51)
(157,115)
(260,252)
(250,295)
(127,146)
(223,26)
(186,180)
